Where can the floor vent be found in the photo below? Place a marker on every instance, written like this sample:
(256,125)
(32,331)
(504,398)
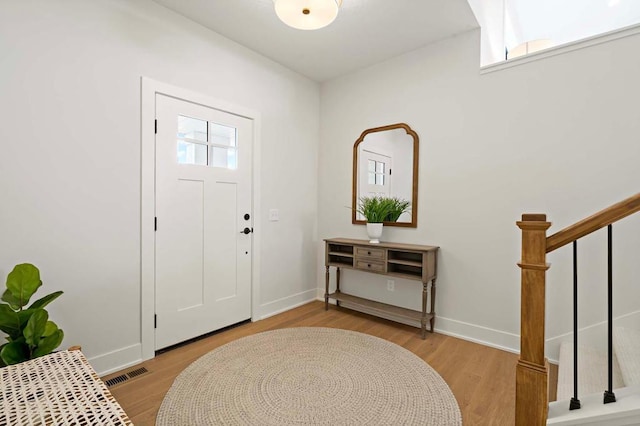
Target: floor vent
(126,376)
(116,380)
(137,372)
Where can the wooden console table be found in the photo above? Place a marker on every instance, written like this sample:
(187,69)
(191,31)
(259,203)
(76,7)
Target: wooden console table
(410,261)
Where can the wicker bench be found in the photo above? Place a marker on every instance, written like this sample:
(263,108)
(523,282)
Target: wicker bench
(57,389)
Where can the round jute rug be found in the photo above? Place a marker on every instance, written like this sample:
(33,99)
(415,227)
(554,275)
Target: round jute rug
(309,376)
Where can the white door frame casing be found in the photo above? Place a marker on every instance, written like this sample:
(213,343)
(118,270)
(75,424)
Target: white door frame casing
(147,206)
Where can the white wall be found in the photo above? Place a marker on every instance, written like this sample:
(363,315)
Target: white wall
(70,160)
(556,136)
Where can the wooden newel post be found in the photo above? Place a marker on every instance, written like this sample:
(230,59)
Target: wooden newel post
(532,383)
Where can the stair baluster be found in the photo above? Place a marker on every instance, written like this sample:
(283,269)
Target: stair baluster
(609,396)
(575,402)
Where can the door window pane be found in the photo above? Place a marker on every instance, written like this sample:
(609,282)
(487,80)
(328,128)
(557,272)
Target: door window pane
(192,153)
(232,159)
(222,135)
(192,128)
(223,157)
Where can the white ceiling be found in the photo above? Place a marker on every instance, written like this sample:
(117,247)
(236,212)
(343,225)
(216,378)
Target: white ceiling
(364,33)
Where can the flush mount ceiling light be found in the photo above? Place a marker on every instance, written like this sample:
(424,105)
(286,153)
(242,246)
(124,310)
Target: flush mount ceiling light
(307,14)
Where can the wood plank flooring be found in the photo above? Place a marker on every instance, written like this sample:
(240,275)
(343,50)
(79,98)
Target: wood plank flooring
(481,378)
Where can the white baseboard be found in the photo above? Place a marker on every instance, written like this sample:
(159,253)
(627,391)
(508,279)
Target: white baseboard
(466,331)
(478,334)
(117,360)
(286,303)
(593,336)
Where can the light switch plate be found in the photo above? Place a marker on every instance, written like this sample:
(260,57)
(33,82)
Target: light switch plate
(274,215)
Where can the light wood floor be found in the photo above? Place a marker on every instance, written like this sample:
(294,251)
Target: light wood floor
(481,378)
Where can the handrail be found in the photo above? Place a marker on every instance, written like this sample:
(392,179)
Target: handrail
(599,220)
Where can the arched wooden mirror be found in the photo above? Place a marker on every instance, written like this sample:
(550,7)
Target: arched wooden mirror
(385,163)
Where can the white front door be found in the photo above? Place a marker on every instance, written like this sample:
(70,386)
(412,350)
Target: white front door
(203,204)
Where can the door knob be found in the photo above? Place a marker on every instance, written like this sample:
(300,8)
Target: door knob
(246,231)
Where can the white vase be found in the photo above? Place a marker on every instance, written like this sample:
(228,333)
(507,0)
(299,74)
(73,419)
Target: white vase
(374,230)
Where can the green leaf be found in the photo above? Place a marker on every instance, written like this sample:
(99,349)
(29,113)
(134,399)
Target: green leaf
(49,343)
(2,363)
(24,317)
(41,303)
(12,301)
(374,209)
(23,281)
(14,352)
(10,322)
(50,328)
(35,327)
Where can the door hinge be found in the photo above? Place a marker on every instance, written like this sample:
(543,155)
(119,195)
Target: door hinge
(389,172)
(155,223)
(155,321)
(156,127)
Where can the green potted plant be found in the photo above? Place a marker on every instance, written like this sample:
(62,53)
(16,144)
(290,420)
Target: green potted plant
(30,334)
(397,206)
(377,209)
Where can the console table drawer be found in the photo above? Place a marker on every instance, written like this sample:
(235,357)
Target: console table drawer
(370,266)
(370,253)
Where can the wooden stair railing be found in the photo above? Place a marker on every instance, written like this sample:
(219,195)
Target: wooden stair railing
(532,377)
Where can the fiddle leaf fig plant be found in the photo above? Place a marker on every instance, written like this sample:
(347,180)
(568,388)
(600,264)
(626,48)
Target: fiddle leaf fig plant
(30,334)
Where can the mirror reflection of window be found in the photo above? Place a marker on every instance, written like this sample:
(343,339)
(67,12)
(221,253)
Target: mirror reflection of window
(374,179)
(376,172)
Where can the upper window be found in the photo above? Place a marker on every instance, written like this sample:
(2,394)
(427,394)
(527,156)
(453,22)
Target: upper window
(204,143)
(513,28)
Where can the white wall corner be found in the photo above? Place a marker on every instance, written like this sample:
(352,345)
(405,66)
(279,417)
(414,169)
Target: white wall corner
(279,306)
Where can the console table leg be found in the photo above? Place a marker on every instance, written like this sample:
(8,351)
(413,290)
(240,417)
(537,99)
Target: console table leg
(326,289)
(337,284)
(423,321)
(433,303)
